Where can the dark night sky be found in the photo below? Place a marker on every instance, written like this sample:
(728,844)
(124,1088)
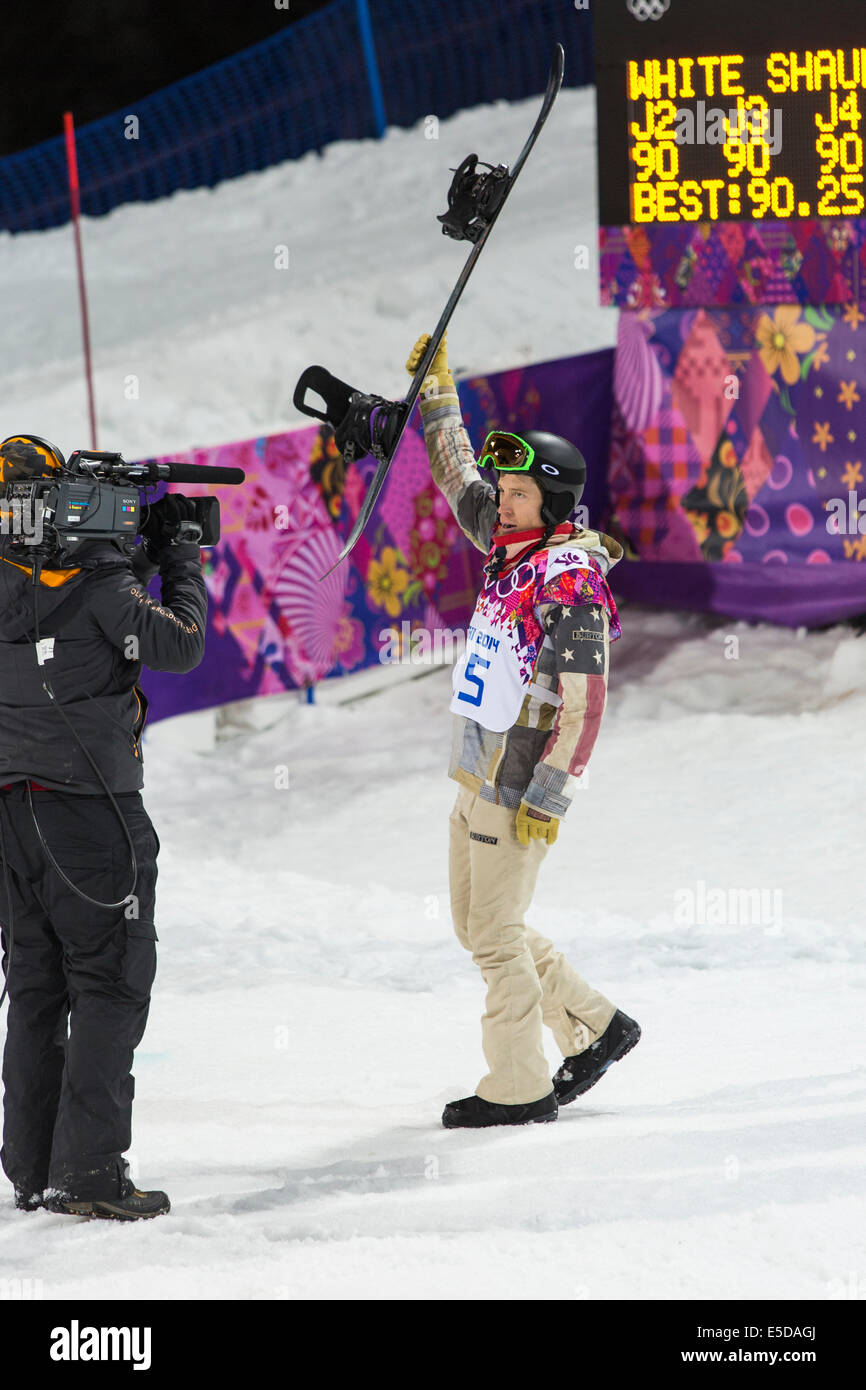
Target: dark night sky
(94,56)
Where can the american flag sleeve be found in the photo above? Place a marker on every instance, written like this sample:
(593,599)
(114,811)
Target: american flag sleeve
(579,636)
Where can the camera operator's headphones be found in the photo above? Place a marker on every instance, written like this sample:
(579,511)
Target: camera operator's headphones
(25,456)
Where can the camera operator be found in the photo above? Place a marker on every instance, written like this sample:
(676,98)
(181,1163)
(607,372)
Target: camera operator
(82,957)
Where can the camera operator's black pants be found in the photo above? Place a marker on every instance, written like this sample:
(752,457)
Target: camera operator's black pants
(79,986)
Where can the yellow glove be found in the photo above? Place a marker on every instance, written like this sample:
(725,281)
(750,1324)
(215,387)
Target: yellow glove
(531,823)
(438,382)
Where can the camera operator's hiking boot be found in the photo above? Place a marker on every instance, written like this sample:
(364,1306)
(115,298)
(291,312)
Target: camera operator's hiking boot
(475,1113)
(114,1198)
(25,1200)
(577,1074)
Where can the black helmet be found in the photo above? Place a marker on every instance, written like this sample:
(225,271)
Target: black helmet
(557,466)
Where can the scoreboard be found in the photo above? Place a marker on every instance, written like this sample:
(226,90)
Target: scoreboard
(727,135)
(747,111)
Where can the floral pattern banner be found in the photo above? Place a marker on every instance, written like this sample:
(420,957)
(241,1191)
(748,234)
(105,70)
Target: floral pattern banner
(274,622)
(739,437)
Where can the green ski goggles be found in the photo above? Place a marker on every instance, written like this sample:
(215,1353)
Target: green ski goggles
(506,452)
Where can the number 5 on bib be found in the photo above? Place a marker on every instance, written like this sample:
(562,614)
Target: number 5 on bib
(473,679)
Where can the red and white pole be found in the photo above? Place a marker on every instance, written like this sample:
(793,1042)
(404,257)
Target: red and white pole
(75,201)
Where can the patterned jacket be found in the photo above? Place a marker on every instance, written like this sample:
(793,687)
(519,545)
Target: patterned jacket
(556,614)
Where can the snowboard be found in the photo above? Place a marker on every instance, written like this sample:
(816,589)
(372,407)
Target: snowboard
(369,424)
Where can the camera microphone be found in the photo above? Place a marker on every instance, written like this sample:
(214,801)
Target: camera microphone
(158,472)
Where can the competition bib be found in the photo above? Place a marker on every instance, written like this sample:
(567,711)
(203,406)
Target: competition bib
(488,684)
(493,675)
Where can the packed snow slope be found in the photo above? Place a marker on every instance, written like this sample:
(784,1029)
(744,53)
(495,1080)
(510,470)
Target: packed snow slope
(313,1011)
(199,337)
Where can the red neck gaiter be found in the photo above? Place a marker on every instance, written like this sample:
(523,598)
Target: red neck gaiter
(508,548)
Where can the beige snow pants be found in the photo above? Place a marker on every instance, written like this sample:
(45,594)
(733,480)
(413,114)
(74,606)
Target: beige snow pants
(492,878)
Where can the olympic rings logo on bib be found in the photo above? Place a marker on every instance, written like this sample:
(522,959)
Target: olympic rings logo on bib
(518,579)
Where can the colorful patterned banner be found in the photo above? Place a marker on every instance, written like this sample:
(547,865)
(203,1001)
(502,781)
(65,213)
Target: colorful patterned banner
(811,261)
(273,623)
(739,438)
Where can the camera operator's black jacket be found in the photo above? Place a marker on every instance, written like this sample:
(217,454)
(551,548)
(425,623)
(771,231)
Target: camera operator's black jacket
(105,627)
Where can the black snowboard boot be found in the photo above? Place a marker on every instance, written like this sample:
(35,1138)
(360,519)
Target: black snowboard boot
(475,1113)
(25,1200)
(114,1200)
(577,1074)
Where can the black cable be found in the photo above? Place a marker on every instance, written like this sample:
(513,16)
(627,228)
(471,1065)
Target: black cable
(46,686)
(11,924)
(10,929)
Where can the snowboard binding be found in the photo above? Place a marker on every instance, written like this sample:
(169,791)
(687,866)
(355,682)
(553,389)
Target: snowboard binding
(362,424)
(474,199)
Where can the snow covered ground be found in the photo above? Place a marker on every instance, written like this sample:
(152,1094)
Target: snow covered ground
(313,1012)
(198,337)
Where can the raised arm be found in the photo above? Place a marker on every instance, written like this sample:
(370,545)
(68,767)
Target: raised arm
(452,461)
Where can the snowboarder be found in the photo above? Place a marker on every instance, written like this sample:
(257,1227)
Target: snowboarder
(80,973)
(528,694)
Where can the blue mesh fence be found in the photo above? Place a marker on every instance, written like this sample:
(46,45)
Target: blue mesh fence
(299,91)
